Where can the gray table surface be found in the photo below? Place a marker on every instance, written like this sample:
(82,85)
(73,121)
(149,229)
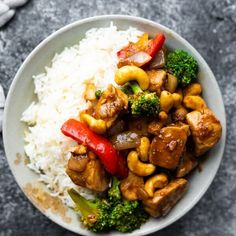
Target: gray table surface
(210,26)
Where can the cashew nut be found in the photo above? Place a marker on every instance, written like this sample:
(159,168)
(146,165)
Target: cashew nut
(177,98)
(128,73)
(194,102)
(193,89)
(137,166)
(155,182)
(166,101)
(162,116)
(98,126)
(143,148)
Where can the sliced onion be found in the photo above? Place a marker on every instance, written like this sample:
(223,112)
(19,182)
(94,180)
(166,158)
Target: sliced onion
(171,83)
(116,128)
(126,140)
(138,59)
(138,126)
(158,61)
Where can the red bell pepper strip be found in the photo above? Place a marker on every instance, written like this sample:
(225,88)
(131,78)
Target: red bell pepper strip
(98,144)
(155,45)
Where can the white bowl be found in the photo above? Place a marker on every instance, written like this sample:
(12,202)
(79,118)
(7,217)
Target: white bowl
(21,94)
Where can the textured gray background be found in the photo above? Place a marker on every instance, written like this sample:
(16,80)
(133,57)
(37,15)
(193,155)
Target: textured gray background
(210,26)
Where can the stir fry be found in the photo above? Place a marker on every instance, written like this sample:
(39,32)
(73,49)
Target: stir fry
(138,141)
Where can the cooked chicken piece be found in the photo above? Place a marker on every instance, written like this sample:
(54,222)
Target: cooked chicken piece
(183,126)
(132,188)
(96,177)
(78,150)
(78,163)
(76,177)
(88,173)
(112,101)
(89,93)
(205,128)
(157,80)
(138,126)
(155,127)
(166,198)
(179,114)
(187,163)
(167,148)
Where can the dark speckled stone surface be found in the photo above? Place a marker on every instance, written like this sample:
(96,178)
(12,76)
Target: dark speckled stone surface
(210,26)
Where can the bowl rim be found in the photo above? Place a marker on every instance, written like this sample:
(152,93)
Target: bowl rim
(111,17)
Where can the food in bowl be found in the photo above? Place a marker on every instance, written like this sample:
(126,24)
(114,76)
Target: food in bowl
(118,125)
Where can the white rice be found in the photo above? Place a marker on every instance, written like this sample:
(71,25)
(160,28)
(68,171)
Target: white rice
(60,96)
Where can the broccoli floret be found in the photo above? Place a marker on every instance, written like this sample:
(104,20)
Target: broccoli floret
(98,94)
(143,103)
(112,213)
(127,89)
(95,214)
(127,216)
(114,195)
(135,88)
(183,66)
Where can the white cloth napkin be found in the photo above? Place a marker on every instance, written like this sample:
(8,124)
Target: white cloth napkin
(2,103)
(7,9)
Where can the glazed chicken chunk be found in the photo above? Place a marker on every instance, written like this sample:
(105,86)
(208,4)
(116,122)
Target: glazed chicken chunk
(205,128)
(157,80)
(165,198)
(132,187)
(87,172)
(112,101)
(167,148)
(187,163)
